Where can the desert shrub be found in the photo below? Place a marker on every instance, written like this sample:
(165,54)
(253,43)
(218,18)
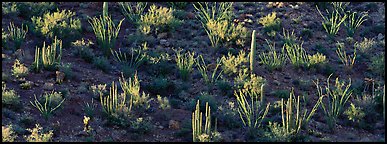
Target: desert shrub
(59,24)
(158,19)
(365,46)
(178,5)
(131,88)
(281,93)
(355,114)
(115,105)
(132,61)
(347,60)
(9,97)
(225,86)
(337,98)
(289,38)
(306,33)
(184,63)
(8,133)
(4,38)
(106,32)
(160,85)
(163,102)
(231,63)
(9,8)
(52,101)
(297,55)
(83,50)
(89,109)
(48,56)
(19,70)
(98,90)
(228,115)
(200,133)
(29,9)
(161,64)
(354,21)
(26,85)
(202,67)
(16,34)
(377,65)
(204,97)
(38,135)
(133,10)
(332,22)
(273,60)
(316,60)
(102,63)
(141,126)
(270,22)
(67,70)
(254,85)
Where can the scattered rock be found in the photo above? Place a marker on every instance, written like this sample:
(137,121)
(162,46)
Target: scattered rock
(164,42)
(287,77)
(380,36)
(162,35)
(48,86)
(174,125)
(276,82)
(83,134)
(190,15)
(160,127)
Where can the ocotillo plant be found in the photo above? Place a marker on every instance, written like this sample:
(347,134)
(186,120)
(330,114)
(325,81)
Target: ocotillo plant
(197,122)
(252,52)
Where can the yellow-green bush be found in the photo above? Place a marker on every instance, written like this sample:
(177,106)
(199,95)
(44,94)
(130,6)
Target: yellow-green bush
(158,19)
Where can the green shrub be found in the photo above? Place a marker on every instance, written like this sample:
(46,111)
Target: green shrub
(102,63)
(98,90)
(306,33)
(67,70)
(225,86)
(316,59)
(270,22)
(178,5)
(163,102)
(59,24)
(52,102)
(4,38)
(204,98)
(365,46)
(347,60)
(29,9)
(133,10)
(251,112)
(9,97)
(332,22)
(19,70)
(231,63)
(9,8)
(131,88)
(337,97)
(184,63)
(106,32)
(281,93)
(141,126)
(158,19)
(134,60)
(26,85)
(161,64)
(273,60)
(48,56)
(89,109)
(297,55)
(228,115)
(161,85)
(8,133)
(38,135)
(354,21)
(16,34)
(289,38)
(202,67)
(83,50)
(377,65)
(354,113)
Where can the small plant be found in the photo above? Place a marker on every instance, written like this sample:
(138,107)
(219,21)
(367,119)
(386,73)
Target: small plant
(354,113)
(89,109)
(83,50)
(37,135)
(19,70)
(377,65)
(105,6)
(273,60)
(164,102)
(102,63)
(200,133)
(133,10)
(365,45)
(289,38)
(250,112)
(141,126)
(26,85)
(48,56)
(16,34)
(270,22)
(252,51)
(29,9)
(316,59)
(158,19)
(131,88)
(51,103)
(333,21)
(347,60)
(137,58)
(9,97)
(86,126)
(337,97)
(202,67)
(59,24)
(8,133)
(297,55)
(115,105)
(4,38)
(184,63)
(231,63)
(98,90)
(106,32)
(354,21)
